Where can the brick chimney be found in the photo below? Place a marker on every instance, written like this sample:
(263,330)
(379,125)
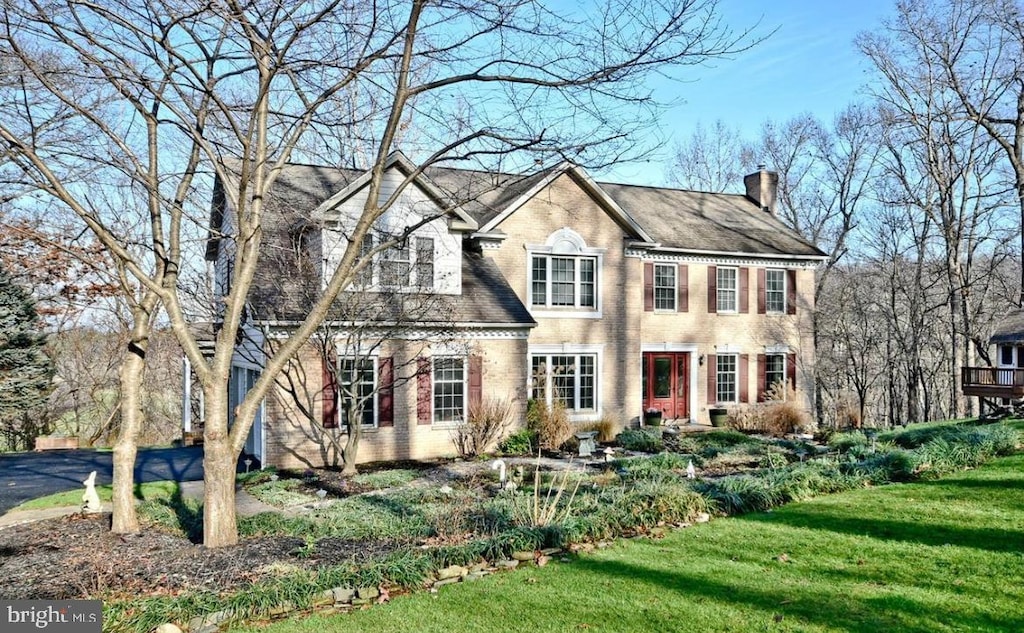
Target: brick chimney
(762,187)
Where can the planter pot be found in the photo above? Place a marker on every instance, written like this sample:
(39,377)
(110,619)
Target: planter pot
(719,417)
(652,419)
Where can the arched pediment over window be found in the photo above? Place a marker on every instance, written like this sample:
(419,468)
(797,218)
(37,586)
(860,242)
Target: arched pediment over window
(565,241)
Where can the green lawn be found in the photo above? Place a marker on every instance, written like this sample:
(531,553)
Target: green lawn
(69,498)
(944,555)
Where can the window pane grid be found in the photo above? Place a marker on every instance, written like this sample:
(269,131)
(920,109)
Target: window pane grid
(775,372)
(449,389)
(395,267)
(539,275)
(664,287)
(569,379)
(775,290)
(365,277)
(425,262)
(587,283)
(725,377)
(357,381)
(726,289)
(563,281)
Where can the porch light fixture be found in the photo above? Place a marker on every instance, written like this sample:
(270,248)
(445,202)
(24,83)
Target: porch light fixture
(700,360)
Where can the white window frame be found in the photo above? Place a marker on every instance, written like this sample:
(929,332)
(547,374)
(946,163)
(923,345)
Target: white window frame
(564,244)
(780,292)
(547,352)
(735,374)
(419,266)
(372,277)
(375,386)
(673,290)
(768,382)
(724,294)
(434,382)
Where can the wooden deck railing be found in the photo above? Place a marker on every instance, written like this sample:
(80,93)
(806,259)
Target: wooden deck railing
(992,382)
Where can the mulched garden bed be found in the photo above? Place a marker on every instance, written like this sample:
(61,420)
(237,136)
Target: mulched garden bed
(77,556)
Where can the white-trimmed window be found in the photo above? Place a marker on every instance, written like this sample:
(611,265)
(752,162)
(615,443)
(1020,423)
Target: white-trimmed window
(775,373)
(365,277)
(449,389)
(775,291)
(726,374)
(563,282)
(726,285)
(357,384)
(425,263)
(395,265)
(564,275)
(567,378)
(665,289)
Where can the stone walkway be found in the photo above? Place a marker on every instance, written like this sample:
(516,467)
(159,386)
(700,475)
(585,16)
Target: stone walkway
(245,505)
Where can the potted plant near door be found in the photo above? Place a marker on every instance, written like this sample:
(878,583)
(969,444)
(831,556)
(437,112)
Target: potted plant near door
(652,417)
(719,416)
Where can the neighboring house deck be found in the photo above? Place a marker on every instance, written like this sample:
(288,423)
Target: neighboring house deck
(1006,379)
(993,382)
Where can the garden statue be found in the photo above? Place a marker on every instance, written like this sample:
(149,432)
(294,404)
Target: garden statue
(691,472)
(90,500)
(499,465)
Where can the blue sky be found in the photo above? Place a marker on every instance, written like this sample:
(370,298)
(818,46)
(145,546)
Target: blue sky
(809,64)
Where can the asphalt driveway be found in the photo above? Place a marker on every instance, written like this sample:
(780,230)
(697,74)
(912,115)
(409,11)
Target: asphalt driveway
(25,476)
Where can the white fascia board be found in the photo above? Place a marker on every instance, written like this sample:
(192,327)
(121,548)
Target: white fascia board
(461,222)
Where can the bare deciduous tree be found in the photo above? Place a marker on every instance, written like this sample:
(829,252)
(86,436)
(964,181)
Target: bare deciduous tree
(168,93)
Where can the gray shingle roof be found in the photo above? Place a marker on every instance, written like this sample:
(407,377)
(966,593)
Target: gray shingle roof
(676,219)
(280,294)
(700,221)
(1010,329)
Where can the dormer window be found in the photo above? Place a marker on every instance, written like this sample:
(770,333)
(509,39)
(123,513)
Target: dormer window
(565,274)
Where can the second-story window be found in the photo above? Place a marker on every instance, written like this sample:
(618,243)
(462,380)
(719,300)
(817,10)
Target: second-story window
(425,263)
(558,281)
(726,285)
(775,291)
(395,266)
(665,287)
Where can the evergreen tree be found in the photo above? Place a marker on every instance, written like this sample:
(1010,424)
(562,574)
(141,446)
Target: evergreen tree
(26,371)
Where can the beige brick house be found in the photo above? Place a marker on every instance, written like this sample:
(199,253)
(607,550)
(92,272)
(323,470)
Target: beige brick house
(614,298)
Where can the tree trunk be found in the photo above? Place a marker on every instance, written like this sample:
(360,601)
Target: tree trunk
(219,458)
(133,368)
(351,452)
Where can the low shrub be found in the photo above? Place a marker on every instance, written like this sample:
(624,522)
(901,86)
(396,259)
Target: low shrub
(640,440)
(485,424)
(634,468)
(844,442)
(522,442)
(739,494)
(886,465)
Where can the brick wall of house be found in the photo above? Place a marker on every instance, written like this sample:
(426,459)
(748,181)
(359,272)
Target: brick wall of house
(295,441)
(748,333)
(564,204)
(625,329)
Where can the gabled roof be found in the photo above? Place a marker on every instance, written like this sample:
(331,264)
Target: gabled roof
(711,223)
(534,185)
(398,160)
(1010,329)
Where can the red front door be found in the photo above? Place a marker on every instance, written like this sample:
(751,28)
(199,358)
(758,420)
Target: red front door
(666,383)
